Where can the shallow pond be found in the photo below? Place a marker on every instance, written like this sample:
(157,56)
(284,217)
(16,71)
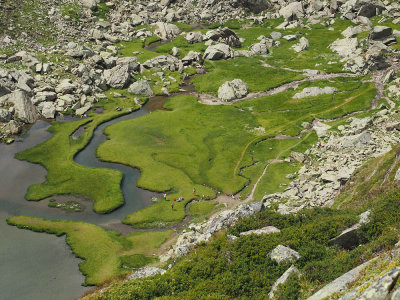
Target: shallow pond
(39,266)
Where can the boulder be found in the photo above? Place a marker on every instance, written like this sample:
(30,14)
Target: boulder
(345,47)
(24,108)
(297,156)
(275,35)
(382,287)
(282,280)
(349,239)
(265,230)
(164,62)
(259,49)
(136,20)
(231,90)
(219,51)
(141,87)
(255,6)
(48,110)
(351,31)
(130,61)
(191,57)
(12,127)
(118,77)
(146,272)
(380,32)
(166,31)
(65,87)
(370,9)
(91,4)
(283,254)
(83,110)
(292,11)
(194,37)
(302,45)
(340,284)
(314,91)
(5,115)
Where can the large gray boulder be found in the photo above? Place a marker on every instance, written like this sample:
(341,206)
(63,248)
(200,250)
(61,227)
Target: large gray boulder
(380,32)
(265,230)
(349,239)
(370,9)
(231,90)
(5,115)
(255,6)
(65,87)
(260,48)
(345,47)
(283,254)
(339,284)
(381,288)
(282,280)
(141,87)
(48,110)
(219,51)
(163,62)
(194,37)
(24,108)
(302,45)
(292,11)
(118,77)
(166,31)
(146,272)
(314,91)
(91,4)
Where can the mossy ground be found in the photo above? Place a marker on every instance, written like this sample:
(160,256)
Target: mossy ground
(67,177)
(106,254)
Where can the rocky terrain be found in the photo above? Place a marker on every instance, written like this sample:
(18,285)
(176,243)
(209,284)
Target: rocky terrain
(78,54)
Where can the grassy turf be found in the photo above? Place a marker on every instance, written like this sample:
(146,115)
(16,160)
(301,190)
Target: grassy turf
(198,210)
(318,56)
(67,177)
(104,252)
(193,145)
(250,70)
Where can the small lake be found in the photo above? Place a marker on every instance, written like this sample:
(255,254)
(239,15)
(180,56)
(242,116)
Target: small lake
(39,266)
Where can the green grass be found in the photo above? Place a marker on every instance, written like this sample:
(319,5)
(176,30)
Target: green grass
(250,70)
(198,210)
(72,10)
(192,145)
(136,48)
(183,45)
(101,11)
(317,56)
(67,177)
(105,253)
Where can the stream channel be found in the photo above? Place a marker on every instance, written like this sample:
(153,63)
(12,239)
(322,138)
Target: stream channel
(40,266)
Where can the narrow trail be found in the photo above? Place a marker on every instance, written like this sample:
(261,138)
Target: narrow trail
(210,99)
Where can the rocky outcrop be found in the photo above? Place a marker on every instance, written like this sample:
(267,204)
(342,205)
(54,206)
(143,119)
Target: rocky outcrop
(284,254)
(23,106)
(146,272)
(231,90)
(219,51)
(349,238)
(265,230)
(314,91)
(141,87)
(282,280)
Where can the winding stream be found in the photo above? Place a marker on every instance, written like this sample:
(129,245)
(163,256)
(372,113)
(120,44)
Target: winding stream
(39,266)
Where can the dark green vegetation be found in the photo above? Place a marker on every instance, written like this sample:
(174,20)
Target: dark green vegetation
(67,177)
(106,253)
(242,269)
